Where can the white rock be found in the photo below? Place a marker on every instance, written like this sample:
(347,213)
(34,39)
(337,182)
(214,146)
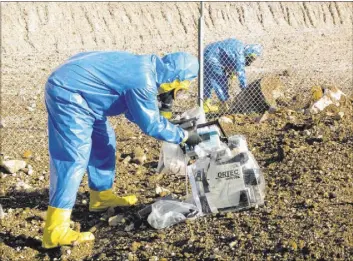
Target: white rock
(225,120)
(159,190)
(22,186)
(264,117)
(115,220)
(127,160)
(2,213)
(233,244)
(13,166)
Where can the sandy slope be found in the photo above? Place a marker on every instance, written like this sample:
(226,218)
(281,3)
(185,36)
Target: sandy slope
(49,27)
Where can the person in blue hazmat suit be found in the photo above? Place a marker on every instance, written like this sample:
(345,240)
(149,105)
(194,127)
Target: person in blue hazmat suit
(223,60)
(79,96)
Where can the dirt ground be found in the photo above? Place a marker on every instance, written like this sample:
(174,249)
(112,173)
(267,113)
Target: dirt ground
(307,160)
(307,163)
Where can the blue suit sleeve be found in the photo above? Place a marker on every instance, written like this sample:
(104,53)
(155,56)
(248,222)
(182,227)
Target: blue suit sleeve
(240,70)
(143,111)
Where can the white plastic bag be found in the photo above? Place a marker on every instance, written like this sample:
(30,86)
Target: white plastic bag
(172,159)
(197,113)
(166,213)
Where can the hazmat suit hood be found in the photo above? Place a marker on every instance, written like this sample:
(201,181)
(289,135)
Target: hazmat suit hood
(176,66)
(253,49)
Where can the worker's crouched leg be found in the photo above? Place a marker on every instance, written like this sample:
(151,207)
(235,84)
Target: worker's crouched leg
(101,200)
(57,231)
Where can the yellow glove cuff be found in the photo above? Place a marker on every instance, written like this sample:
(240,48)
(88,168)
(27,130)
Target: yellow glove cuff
(185,137)
(166,114)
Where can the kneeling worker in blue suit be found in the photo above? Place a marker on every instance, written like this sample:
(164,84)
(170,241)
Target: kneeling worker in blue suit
(80,95)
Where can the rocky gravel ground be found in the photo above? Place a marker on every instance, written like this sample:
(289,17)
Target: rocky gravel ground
(307,161)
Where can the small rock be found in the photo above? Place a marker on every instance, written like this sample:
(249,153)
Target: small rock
(139,155)
(130,227)
(293,245)
(307,132)
(37,158)
(316,93)
(301,244)
(102,256)
(68,252)
(115,220)
(285,73)
(127,160)
(27,154)
(264,117)
(225,120)
(135,246)
(131,257)
(13,166)
(2,213)
(2,124)
(162,191)
(339,115)
(22,186)
(233,244)
(155,178)
(229,215)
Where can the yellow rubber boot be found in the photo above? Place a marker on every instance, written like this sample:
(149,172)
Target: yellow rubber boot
(208,107)
(102,200)
(57,231)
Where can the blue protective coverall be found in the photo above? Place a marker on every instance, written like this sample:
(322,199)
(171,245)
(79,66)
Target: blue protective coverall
(79,96)
(223,58)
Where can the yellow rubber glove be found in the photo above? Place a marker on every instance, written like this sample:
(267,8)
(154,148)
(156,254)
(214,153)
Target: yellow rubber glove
(208,107)
(102,200)
(166,114)
(57,231)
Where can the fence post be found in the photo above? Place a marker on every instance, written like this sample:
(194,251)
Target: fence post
(201,25)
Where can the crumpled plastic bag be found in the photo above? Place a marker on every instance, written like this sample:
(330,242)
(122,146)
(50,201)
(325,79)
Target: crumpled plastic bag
(172,159)
(166,213)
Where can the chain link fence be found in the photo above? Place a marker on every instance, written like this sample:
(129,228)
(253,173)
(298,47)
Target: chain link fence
(295,60)
(291,63)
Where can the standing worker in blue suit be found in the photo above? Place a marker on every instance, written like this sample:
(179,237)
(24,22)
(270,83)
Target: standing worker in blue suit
(80,95)
(223,60)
